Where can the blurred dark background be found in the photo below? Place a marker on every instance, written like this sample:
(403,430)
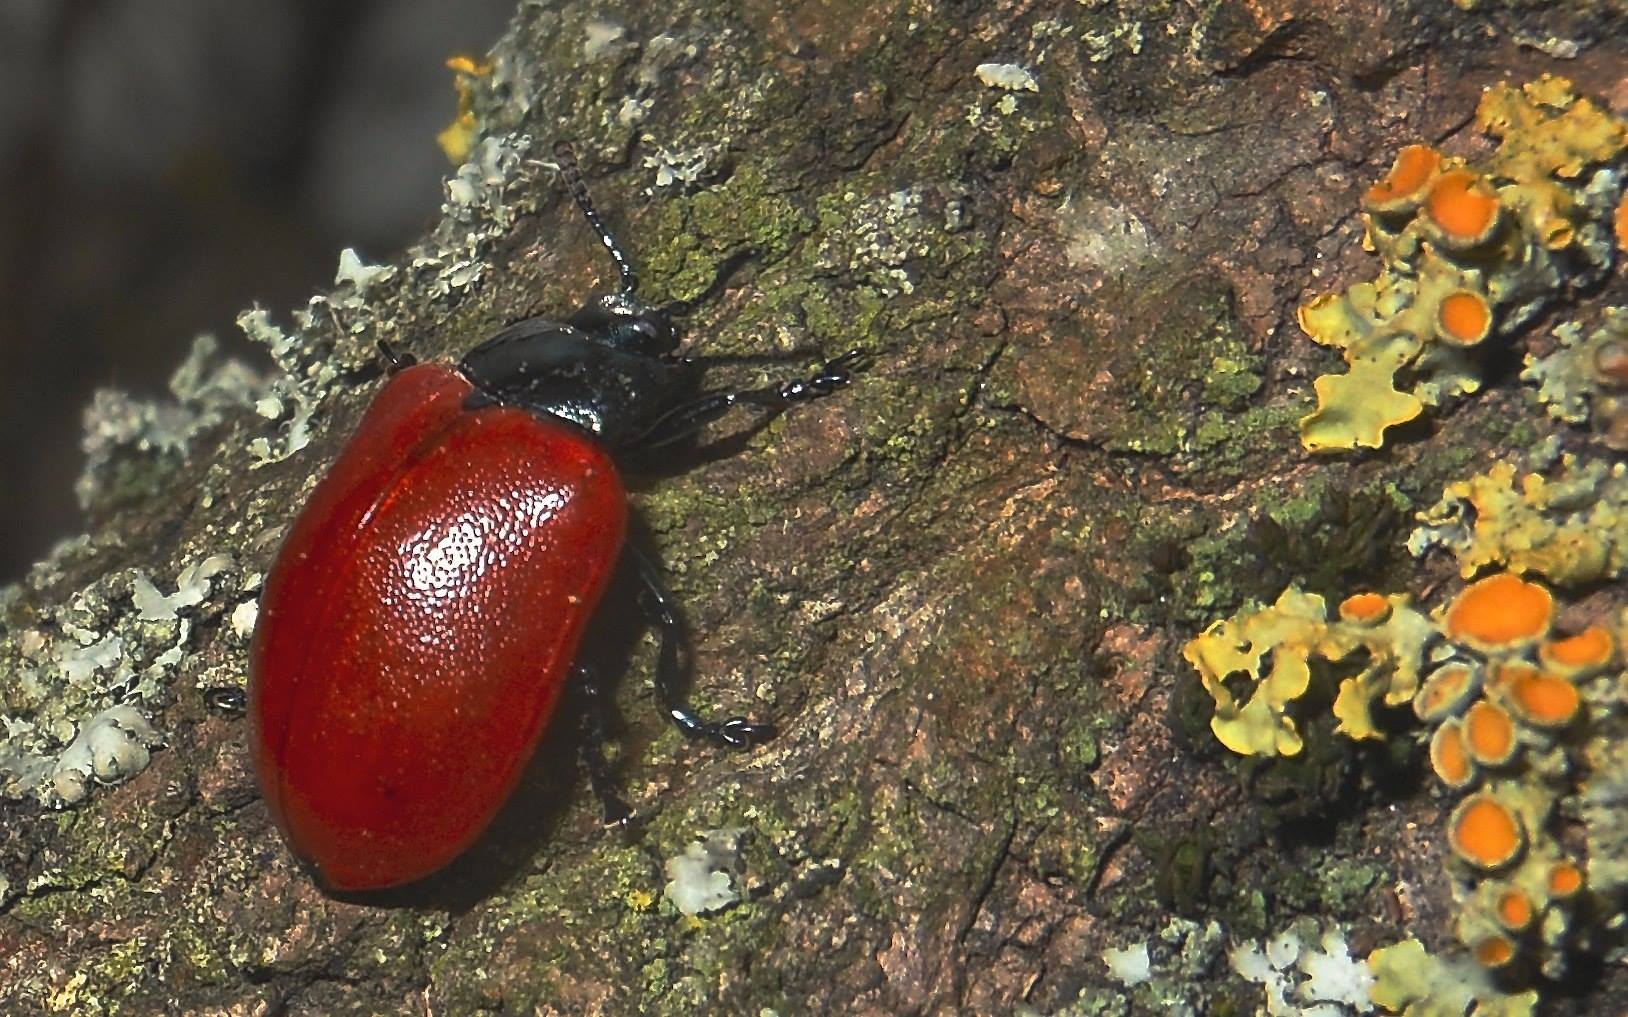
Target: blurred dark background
(165,165)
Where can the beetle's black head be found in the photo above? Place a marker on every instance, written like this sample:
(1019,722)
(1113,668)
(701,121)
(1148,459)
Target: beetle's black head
(609,368)
(604,370)
(624,323)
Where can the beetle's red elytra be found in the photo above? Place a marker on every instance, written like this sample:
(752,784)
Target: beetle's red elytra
(440,537)
(423,616)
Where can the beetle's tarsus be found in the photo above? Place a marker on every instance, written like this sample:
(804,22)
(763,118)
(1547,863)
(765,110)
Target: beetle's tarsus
(397,360)
(740,733)
(734,733)
(226,699)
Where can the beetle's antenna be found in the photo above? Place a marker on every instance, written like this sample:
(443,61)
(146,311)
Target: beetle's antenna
(579,192)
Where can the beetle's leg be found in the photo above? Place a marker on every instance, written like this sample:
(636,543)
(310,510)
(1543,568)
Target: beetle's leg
(600,778)
(226,699)
(659,609)
(397,360)
(683,421)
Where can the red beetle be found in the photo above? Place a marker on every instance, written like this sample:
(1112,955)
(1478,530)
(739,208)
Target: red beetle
(422,617)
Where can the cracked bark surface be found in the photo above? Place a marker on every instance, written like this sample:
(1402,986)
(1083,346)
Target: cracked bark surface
(960,586)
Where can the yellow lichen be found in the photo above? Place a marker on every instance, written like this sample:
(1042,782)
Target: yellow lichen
(1358,407)
(1409,981)
(1293,632)
(1548,130)
(1510,705)
(1533,900)
(1509,868)
(458,139)
(1465,249)
(1530,730)
(1602,797)
(1585,379)
(1568,524)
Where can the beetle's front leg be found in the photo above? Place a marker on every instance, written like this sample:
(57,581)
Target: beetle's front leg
(683,421)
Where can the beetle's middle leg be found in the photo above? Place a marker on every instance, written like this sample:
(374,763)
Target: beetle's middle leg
(662,613)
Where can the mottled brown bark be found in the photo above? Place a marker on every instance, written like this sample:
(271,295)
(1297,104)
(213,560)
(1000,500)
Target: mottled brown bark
(959,586)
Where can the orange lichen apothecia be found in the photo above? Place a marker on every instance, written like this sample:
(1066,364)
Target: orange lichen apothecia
(1587,653)
(1467,251)
(1489,734)
(1513,741)
(1565,879)
(1464,318)
(1365,608)
(1449,758)
(1447,689)
(1403,188)
(1500,612)
(1511,707)
(1514,910)
(1484,833)
(1611,360)
(1462,209)
(1543,700)
(1494,951)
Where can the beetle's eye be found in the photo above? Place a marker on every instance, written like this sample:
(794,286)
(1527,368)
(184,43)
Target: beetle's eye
(654,325)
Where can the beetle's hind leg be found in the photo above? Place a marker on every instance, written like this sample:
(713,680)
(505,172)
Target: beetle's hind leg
(396,360)
(662,614)
(227,700)
(585,685)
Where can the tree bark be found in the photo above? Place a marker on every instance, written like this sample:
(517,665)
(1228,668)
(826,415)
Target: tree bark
(959,587)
